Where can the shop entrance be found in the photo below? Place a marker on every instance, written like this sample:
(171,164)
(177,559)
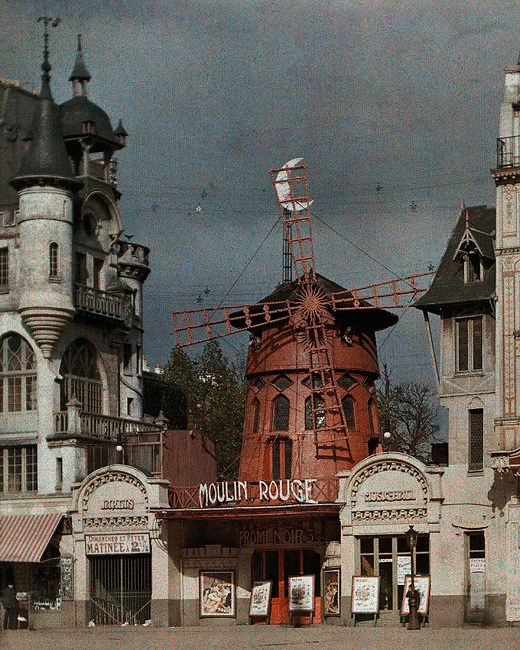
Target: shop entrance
(388,556)
(277,565)
(120,589)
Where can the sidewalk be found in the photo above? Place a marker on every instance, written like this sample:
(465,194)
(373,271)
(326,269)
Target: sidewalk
(318,637)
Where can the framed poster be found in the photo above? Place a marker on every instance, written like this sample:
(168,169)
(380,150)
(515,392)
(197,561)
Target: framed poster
(331,591)
(422,584)
(301,594)
(217,593)
(260,598)
(365,594)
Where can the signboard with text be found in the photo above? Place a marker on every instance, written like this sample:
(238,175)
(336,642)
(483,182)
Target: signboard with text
(117,544)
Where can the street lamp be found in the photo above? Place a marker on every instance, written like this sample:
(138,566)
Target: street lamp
(413,594)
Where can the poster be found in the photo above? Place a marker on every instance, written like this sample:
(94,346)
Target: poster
(217,593)
(422,584)
(67,578)
(365,594)
(301,594)
(404,568)
(331,592)
(260,598)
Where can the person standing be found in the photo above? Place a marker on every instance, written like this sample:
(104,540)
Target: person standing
(10,605)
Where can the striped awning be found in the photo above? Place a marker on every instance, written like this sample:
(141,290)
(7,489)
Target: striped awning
(24,538)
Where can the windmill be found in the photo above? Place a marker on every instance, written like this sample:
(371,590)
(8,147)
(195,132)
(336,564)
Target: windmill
(311,321)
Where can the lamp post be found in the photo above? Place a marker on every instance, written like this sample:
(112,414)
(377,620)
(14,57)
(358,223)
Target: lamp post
(413,594)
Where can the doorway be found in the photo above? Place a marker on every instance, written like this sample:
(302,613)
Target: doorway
(388,556)
(278,565)
(120,589)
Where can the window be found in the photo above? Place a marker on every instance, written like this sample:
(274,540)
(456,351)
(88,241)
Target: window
(81,269)
(281,413)
(281,458)
(59,473)
(256,415)
(469,344)
(4,268)
(127,358)
(319,416)
(18,472)
(54,269)
(473,270)
(17,375)
(348,409)
(81,376)
(98,272)
(476,439)
(282,382)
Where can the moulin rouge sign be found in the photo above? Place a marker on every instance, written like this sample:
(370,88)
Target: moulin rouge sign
(232,491)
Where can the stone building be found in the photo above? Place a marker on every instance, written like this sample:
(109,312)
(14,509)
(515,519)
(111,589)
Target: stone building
(71,363)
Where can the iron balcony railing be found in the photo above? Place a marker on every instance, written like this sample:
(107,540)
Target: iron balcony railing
(508,151)
(103,303)
(325,490)
(104,427)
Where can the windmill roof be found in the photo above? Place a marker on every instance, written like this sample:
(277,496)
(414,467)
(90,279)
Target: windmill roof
(366,319)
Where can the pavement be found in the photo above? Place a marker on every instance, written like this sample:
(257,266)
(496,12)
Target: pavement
(324,637)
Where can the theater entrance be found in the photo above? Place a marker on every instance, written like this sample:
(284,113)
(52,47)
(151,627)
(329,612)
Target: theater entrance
(278,565)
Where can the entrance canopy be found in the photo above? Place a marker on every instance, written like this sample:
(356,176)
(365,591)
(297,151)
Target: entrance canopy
(24,538)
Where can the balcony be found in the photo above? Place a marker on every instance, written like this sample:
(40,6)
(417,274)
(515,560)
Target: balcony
(508,152)
(99,428)
(109,305)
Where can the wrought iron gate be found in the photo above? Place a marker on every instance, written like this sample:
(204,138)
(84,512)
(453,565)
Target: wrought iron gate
(120,589)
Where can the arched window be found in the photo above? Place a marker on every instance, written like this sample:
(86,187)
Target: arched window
(54,268)
(81,377)
(281,458)
(350,415)
(281,413)
(319,417)
(17,375)
(256,415)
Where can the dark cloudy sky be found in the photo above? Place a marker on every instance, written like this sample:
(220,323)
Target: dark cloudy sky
(393,104)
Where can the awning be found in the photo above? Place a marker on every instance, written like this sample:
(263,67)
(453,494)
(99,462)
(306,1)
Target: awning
(24,538)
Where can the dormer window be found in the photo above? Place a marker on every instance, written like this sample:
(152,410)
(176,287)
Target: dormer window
(473,268)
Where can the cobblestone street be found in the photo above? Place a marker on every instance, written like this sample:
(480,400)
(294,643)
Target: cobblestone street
(237,638)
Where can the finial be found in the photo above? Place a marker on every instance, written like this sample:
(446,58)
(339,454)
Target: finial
(46,66)
(467,219)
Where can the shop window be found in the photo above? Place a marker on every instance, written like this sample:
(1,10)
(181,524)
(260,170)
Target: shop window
(54,267)
(281,458)
(318,422)
(281,413)
(17,375)
(18,469)
(4,269)
(81,377)
(476,439)
(256,415)
(469,344)
(350,415)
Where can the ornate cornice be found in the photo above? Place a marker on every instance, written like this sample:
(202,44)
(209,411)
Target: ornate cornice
(505,175)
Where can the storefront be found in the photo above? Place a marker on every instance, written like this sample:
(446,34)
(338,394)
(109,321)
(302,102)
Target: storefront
(118,548)
(383,496)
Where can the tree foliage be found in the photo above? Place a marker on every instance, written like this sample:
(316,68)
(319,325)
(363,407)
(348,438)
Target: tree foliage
(407,410)
(216,394)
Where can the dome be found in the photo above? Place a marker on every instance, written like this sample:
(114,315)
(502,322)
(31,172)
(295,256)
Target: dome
(78,110)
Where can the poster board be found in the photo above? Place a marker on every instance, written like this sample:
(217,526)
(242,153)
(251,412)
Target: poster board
(365,594)
(422,584)
(260,603)
(301,594)
(217,594)
(331,591)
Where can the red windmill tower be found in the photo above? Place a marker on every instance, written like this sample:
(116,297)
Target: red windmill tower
(312,359)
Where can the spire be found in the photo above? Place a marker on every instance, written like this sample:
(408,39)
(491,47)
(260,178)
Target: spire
(120,133)
(79,73)
(46,159)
